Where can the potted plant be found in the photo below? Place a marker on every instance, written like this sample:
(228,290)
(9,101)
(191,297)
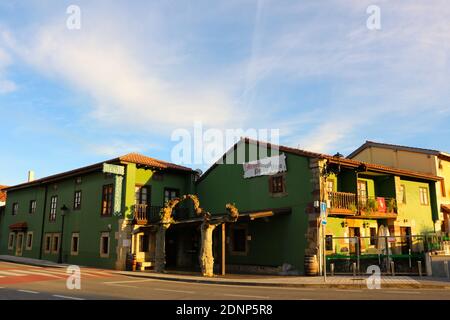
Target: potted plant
(372,205)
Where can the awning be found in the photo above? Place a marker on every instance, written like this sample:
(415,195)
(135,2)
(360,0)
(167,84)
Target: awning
(19,226)
(445,208)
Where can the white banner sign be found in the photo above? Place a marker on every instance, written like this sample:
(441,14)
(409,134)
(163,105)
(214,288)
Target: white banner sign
(265,167)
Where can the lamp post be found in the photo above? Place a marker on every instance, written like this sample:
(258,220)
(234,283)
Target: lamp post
(64,209)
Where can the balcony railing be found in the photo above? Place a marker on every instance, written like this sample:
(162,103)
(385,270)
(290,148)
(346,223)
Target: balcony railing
(346,203)
(145,214)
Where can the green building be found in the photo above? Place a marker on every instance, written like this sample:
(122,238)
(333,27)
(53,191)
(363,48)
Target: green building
(281,223)
(86,216)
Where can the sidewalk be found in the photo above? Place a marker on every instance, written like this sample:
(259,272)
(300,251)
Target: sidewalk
(32,262)
(359,282)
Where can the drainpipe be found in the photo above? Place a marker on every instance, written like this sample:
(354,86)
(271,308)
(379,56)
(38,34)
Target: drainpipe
(43,221)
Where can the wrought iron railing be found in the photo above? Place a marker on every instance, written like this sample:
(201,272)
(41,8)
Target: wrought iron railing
(145,214)
(346,202)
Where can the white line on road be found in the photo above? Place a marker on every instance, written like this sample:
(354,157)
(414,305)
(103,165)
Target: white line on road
(129,281)
(347,290)
(38,273)
(67,297)
(244,296)
(7,273)
(121,285)
(28,291)
(170,290)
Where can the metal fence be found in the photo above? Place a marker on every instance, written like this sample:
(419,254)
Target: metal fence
(393,254)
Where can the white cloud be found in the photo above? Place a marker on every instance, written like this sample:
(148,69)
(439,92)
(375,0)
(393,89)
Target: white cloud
(6,86)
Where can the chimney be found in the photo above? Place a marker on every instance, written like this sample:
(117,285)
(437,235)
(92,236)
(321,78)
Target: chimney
(30,175)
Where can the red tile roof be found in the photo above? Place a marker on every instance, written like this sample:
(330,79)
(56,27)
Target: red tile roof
(333,159)
(2,193)
(135,158)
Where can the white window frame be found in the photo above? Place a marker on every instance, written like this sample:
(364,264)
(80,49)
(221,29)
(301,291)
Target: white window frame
(75,235)
(103,235)
(425,194)
(48,236)
(29,233)
(56,235)
(19,252)
(11,243)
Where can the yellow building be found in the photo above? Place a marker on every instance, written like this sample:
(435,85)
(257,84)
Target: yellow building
(423,160)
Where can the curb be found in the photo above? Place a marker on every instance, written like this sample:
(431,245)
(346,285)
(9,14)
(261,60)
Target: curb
(289,285)
(35,264)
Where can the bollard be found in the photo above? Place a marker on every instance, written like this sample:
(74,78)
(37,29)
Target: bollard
(409,258)
(446,269)
(332,269)
(392,268)
(354,269)
(419,267)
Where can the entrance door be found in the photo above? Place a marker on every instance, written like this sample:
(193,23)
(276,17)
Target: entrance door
(19,244)
(355,244)
(405,233)
(362,192)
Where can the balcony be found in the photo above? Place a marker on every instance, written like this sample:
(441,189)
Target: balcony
(145,214)
(348,204)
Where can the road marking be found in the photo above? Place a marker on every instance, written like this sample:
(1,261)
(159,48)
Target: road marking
(344,290)
(67,297)
(7,273)
(130,281)
(170,290)
(28,291)
(121,285)
(244,296)
(37,273)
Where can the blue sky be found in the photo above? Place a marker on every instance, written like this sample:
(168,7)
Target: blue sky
(138,70)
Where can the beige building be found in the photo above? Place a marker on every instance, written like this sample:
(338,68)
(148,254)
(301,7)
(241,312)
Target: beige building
(417,159)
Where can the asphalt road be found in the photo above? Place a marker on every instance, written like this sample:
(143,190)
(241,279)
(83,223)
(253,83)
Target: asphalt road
(20,282)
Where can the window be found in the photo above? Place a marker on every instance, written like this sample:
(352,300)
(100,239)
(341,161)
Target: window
(32,208)
(443,188)
(11,239)
(239,240)
(55,244)
(170,194)
(373,236)
(423,194)
(104,245)
(77,200)
(29,244)
(362,191)
(142,195)
(48,243)
(402,194)
(107,200)
(330,185)
(329,242)
(276,184)
(15,208)
(143,243)
(75,244)
(53,205)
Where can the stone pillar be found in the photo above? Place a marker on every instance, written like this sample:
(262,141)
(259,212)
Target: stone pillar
(123,237)
(313,233)
(160,249)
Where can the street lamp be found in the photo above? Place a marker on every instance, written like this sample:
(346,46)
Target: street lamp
(64,209)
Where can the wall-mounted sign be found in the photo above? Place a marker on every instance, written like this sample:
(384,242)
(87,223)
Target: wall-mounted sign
(265,167)
(114,169)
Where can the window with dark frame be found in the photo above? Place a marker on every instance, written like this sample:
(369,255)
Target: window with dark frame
(55,248)
(15,208)
(107,200)
(11,240)
(53,206)
(48,243)
(104,250)
(29,241)
(170,193)
(32,208)
(77,200)
(142,195)
(276,184)
(329,242)
(75,243)
(239,240)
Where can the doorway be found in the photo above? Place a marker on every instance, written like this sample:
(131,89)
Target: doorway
(355,244)
(405,234)
(19,244)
